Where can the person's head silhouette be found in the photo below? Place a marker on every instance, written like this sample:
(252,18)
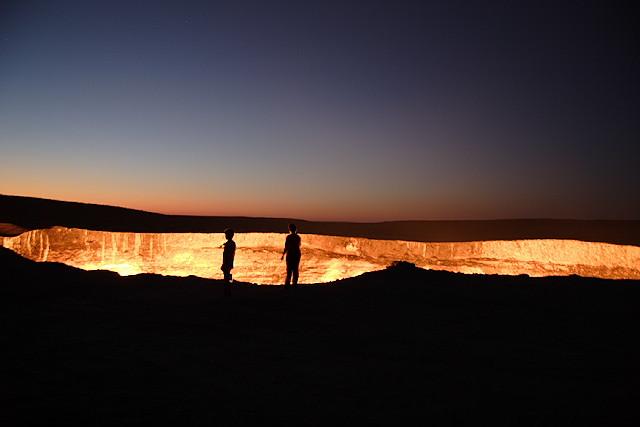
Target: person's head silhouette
(228,233)
(292,228)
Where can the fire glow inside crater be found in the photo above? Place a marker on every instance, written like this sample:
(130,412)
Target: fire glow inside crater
(324,258)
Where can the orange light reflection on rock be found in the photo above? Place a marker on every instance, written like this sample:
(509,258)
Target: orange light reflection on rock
(325,258)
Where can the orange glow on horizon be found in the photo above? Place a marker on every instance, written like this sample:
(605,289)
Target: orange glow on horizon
(191,204)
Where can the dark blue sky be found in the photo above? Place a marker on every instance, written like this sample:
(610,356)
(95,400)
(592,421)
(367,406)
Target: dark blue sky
(324,110)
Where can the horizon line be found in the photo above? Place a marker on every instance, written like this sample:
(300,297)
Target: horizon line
(116,206)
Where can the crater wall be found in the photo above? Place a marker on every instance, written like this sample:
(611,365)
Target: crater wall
(325,258)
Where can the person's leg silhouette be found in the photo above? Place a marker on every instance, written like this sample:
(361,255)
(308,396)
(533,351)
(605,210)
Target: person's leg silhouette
(287,281)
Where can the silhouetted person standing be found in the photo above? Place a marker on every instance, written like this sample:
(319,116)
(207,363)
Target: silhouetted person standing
(292,251)
(228,254)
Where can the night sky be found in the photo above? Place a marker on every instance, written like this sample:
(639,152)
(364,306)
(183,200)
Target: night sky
(324,110)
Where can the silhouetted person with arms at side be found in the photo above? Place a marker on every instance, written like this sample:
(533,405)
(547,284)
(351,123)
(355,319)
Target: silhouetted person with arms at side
(292,251)
(228,255)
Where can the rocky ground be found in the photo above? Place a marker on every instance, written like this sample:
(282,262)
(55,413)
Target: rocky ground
(397,346)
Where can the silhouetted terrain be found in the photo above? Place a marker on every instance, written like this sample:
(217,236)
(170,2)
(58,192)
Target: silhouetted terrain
(31,212)
(394,347)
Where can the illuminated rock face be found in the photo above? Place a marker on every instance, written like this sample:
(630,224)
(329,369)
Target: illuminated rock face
(324,258)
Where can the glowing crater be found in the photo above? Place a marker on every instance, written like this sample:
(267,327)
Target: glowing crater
(324,259)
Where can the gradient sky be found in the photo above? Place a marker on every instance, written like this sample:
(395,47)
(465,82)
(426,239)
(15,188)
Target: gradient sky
(324,110)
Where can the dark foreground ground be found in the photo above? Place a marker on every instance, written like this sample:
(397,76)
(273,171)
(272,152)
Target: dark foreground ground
(398,346)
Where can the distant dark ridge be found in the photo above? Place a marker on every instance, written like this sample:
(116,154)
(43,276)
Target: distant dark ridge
(10,229)
(31,213)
